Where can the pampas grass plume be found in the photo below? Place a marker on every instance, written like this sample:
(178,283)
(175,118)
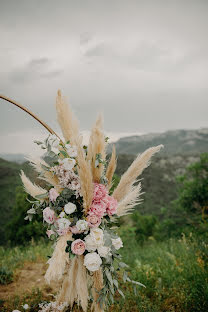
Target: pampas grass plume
(96,146)
(130,176)
(66,119)
(59,259)
(31,188)
(111,167)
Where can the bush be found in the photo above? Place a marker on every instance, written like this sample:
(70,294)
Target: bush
(6,276)
(18,230)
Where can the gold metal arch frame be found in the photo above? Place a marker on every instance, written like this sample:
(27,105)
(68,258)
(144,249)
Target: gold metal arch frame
(30,113)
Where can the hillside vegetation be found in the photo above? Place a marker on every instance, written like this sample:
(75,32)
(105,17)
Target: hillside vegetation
(176,142)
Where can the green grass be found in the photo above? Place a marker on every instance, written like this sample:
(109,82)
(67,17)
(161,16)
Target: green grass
(175,273)
(13,258)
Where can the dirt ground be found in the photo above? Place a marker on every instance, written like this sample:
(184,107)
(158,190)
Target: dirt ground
(29,277)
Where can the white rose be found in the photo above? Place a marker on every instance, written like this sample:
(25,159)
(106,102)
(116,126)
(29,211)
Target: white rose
(90,243)
(92,261)
(63,223)
(97,235)
(117,243)
(71,150)
(62,214)
(70,208)
(68,163)
(104,251)
(82,225)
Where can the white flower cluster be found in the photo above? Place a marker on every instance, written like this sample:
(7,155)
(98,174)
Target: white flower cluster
(52,306)
(95,241)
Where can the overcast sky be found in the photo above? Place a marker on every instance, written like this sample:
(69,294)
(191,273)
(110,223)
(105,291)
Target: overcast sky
(144,64)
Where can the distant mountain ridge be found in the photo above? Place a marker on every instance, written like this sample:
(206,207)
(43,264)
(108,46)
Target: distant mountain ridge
(17,158)
(186,142)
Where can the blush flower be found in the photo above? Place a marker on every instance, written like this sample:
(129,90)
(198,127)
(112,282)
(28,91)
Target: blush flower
(93,221)
(100,192)
(53,194)
(49,215)
(78,247)
(112,204)
(75,230)
(98,209)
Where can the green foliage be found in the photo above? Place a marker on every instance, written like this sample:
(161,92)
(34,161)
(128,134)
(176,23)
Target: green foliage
(175,273)
(6,276)
(19,230)
(193,189)
(145,226)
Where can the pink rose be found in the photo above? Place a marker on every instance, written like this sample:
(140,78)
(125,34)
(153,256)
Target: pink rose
(62,231)
(53,194)
(75,230)
(100,191)
(111,205)
(98,209)
(49,215)
(49,233)
(93,221)
(78,247)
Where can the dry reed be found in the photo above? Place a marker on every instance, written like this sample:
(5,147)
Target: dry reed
(66,119)
(97,146)
(129,177)
(59,259)
(111,167)
(128,203)
(31,188)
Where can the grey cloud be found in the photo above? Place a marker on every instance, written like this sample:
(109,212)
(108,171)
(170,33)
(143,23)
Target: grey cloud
(33,70)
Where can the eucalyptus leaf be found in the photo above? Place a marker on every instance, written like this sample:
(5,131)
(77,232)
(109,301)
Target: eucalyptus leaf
(64,153)
(138,283)
(123,265)
(121,293)
(109,277)
(41,196)
(115,282)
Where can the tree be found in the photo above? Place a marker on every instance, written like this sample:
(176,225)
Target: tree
(18,230)
(193,187)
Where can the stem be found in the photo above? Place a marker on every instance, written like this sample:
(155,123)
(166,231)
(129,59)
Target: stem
(30,113)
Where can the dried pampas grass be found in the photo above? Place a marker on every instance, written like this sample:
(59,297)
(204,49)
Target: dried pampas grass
(126,205)
(96,146)
(136,168)
(31,188)
(85,175)
(97,286)
(74,288)
(68,292)
(111,167)
(81,284)
(66,119)
(59,259)
(47,176)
